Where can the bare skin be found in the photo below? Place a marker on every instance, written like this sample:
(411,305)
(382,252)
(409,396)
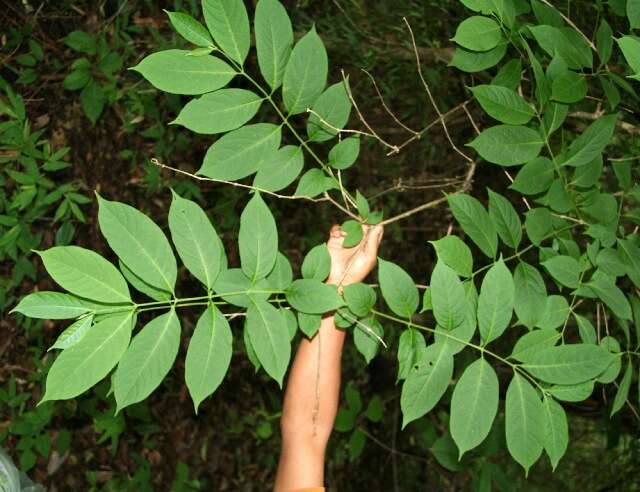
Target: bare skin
(313,387)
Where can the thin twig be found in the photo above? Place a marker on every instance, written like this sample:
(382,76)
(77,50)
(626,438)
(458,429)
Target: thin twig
(336,129)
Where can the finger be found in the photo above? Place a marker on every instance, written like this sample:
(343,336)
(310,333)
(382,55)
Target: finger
(374,238)
(335,231)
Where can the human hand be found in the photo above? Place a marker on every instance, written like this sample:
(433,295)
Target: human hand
(352,265)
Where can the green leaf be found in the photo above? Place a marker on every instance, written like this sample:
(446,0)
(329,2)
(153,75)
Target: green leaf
(360,298)
(219,111)
(630,255)
(92,99)
(228,23)
(142,286)
(524,422)
(569,87)
(503,104)
(81,41)
(569,364)
(139,243)
(630,47)
(623,390)
(633,13)
(611,345)
(76,80)
(309,323)
(281,276)
(73,334)
(80,367)
(398,289)
(474,405)
(196,240)
(353,229)
(176,72)
(508,145)
(573,392)
(556,312)
(495,304)
(538,224)
(605,288)
(258,239)
(54,305)
(313,297)
(85,273)
(344,154)
(456,339)
(533,342)
(477,5)
(530,294)
(411,346)
(208,356)
(317,263)
(590,144)
(334,107)
(553,118)
(306,73)
(426,383)
(478,33)
(235,288)
(274,39)
(472,61)
(586,329)
(505,219)
(564,42)
(534,177)
(447,297)
(367,334)
(555,436)
(604,41)
(454,253)
(190,29)
(241,152)
(546,14)
(509,75)
(564,269)
(475,221)
(280,169)
(313,183)
(269,337)
(147,360)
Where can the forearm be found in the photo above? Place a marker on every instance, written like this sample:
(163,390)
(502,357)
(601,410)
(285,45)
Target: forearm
(310,407)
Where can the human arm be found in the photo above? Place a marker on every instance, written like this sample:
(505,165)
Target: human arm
(313,387)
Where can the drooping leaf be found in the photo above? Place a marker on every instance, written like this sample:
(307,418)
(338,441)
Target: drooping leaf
(208,356)
(258,239)
(177,72)
(313,297)
(411,346)
(367,334)
(305,75)
(274,40)
(569,364)
(629,45)
(508,145)
(447,297)
(474,405)
(495,304)
(147,360)
(556,431)
(228,23)
(241,152)
(623,390)
(426,383)
(524,422)
(269,337)
(309,323)
(80,367)
(475,221)
(196,240)
(503,104)
(398,289)
(139,243)
(219,111)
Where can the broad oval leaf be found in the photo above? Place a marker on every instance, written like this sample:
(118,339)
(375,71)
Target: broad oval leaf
(344,154)
(330,111)
(569,87)
(269,336)
(473,61)
(508,145)
(534,177)
(306,73)
(177,72)
(274,39)
(208,355)
(478,33)
(237,289)
(367,334)
(80,367)
(495,304)
(280,169)
(564,269)
(411,346)
(360,298)
(530,294)
(196,240)
(475,221)
(454,253)
(533,342)
(139,243)
(147,360)
(572,392)
(317,263)
(524,422)
(241,152)
(398,289)
(228,23)
(258,239)
(426,383)
(219,111)
(474,405)
(85,273)
(313,297)
(569,364)
(503,104)
(281,277)
(313,183)
(448,299)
